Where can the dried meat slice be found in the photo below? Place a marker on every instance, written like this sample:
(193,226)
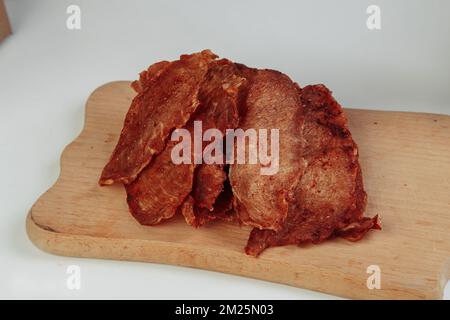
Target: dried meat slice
(211,192)
(220,94)
(208,184)
(194,215)
(147,76)
(329,199)
(187,210)
(272,103)
(159,189)
(167,97)
(163,185)
(222,209)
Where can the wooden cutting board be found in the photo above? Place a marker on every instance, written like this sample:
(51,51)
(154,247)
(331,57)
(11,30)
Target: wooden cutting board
(405,159)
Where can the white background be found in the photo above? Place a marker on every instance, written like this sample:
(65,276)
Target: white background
(48,71)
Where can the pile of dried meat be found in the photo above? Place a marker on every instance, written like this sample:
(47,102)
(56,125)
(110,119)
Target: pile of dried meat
(316,193)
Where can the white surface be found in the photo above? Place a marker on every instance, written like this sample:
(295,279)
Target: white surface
(47,72)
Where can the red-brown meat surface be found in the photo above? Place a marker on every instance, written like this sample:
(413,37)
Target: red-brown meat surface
(159,189)
(316,192)
(220,95)
(329,199)
(167,96)
(222,209)
(208,184)
(272,103)
(163,186)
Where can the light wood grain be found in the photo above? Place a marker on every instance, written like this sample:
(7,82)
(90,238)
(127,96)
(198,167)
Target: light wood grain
(405,159)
